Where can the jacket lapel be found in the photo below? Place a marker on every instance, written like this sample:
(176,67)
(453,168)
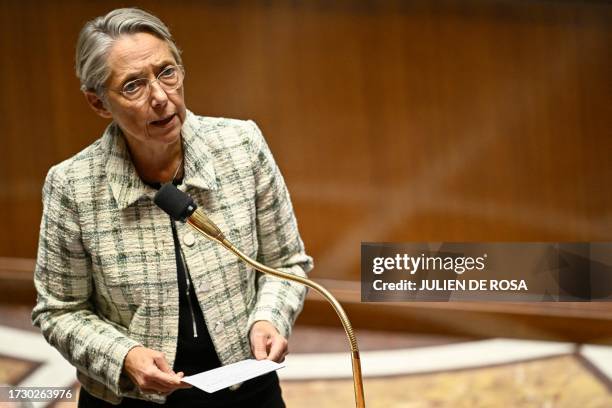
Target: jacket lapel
(199,165)
(125,184)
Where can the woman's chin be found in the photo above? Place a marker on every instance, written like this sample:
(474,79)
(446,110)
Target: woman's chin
(166,134)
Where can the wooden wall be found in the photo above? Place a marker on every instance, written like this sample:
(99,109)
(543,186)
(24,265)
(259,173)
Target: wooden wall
(391,120)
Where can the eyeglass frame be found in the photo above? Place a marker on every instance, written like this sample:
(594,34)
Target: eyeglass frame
(180,69)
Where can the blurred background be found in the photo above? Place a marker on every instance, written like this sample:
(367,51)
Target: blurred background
(392,121)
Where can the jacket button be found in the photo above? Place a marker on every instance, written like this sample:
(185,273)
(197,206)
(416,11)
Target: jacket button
(189,239)
(219,327)
(204,286)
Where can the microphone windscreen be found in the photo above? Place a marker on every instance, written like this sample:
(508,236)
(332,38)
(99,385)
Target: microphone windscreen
(174,202)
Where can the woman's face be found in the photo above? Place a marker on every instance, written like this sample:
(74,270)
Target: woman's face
(156,119)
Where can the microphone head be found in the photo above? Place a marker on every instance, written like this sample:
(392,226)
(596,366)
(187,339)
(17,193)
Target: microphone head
(174,202)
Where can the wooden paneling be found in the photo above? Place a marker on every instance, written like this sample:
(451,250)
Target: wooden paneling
(392,121)
(17,281)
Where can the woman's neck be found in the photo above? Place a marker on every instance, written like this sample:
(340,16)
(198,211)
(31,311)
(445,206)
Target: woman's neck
(158,164)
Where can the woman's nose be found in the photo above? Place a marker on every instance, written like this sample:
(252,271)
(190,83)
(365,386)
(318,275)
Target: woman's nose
(158,95)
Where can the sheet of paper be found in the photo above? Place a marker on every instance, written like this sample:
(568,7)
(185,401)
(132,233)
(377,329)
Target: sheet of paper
(223,377)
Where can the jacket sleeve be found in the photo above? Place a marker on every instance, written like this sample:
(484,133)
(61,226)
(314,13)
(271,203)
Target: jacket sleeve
(64,311)
(280,246)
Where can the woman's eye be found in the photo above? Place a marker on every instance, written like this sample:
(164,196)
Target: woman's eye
(168,72)
(132,87)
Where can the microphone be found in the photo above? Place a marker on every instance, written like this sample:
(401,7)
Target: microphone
(175,203)
(181,207)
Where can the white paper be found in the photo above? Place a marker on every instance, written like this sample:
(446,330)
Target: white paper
(223,377)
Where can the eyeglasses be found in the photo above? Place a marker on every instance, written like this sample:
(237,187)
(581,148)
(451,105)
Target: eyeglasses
(170,79)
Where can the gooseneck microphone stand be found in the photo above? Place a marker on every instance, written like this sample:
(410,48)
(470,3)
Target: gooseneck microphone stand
(181,207)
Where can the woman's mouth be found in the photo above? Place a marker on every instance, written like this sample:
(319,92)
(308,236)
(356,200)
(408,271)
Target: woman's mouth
(163,122)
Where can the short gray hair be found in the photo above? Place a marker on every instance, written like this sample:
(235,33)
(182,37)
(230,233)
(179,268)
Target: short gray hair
(98,36)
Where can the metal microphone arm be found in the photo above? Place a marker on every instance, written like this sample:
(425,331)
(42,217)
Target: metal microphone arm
(201,223)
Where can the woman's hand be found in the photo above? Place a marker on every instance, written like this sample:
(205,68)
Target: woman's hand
(149,370)
(267,343)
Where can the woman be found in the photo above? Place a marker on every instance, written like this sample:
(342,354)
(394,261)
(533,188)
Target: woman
(131,299)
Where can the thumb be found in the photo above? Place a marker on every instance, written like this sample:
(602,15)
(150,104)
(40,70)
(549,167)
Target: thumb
(162,364)
(259,346)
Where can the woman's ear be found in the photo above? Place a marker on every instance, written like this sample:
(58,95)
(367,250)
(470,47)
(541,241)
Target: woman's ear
(97,104)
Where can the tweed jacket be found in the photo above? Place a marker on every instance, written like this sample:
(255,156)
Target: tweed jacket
(106,269)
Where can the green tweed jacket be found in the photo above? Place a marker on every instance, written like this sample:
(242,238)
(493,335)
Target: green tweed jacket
(106,269)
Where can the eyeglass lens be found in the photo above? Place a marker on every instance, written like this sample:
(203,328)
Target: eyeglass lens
(169,79)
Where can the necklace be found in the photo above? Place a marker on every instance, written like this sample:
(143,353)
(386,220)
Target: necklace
(177,171)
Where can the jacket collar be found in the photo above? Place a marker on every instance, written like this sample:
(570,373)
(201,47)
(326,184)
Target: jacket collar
(126,185)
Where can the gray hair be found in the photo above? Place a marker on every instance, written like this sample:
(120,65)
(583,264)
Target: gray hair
(98,36)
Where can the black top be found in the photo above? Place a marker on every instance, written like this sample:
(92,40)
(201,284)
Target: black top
(195,350)
(191,343)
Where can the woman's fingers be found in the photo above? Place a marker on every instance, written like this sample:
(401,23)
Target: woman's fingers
(278,349)
(150,371)
(259,345)
(267,343)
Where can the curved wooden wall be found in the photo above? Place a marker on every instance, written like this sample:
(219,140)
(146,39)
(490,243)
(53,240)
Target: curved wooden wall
(392,121)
